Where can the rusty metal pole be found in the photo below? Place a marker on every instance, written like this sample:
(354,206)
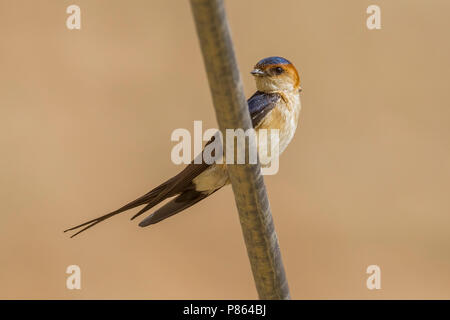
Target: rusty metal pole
(246,179)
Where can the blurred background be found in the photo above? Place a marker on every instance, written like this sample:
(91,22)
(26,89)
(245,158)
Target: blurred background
(85,124)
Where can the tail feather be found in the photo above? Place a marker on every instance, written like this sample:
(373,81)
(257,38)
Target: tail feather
(173,188)
(178,184)
(149,205)
(154,194)
(183,201)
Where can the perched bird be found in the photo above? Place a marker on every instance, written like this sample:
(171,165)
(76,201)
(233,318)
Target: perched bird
(275,105)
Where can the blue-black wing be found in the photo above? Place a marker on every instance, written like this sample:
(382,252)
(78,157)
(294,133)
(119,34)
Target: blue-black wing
(260,104)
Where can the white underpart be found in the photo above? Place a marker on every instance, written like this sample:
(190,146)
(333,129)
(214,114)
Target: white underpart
(290,113)
(292,117)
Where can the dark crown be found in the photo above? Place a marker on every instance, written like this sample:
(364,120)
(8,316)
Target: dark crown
(271,61)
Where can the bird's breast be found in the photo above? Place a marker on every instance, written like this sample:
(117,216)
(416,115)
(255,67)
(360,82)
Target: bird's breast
(283,117)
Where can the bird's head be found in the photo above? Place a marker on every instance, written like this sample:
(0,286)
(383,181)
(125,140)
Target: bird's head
(276,74)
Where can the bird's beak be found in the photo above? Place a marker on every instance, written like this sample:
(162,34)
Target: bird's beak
(257,72)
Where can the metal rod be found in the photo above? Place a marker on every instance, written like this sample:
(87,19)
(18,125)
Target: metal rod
(246,179)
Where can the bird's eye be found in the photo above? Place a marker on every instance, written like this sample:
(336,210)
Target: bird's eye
(278,70)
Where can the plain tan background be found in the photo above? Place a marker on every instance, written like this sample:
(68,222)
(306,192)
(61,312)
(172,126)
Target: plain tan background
(85,124)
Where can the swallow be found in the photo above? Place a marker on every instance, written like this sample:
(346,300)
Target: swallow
(275,105)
